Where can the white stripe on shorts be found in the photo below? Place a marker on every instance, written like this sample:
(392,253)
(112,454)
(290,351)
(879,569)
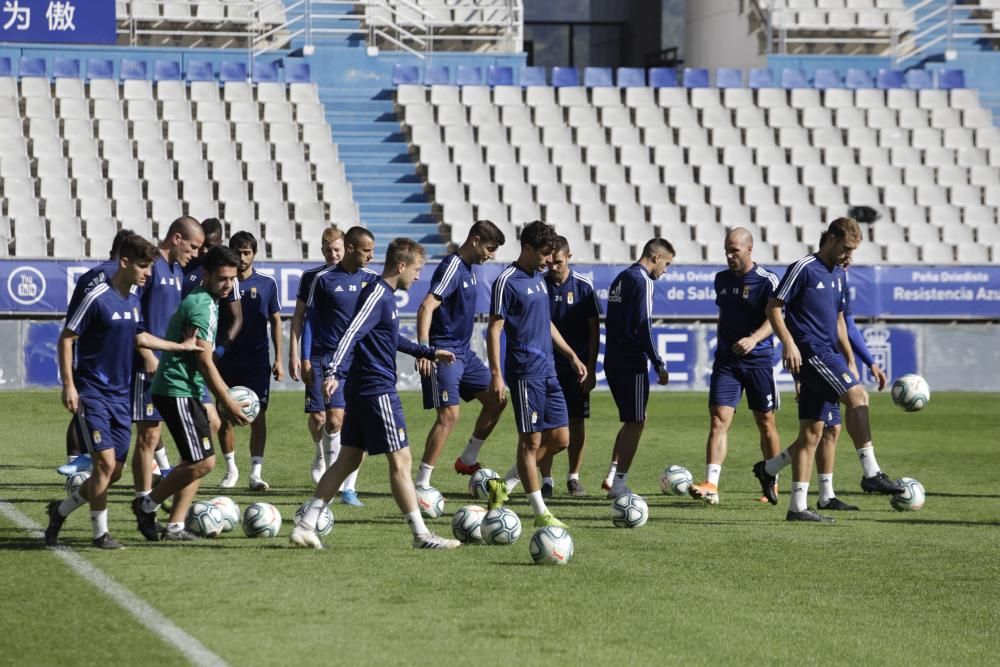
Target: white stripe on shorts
(190,432)
(825,371)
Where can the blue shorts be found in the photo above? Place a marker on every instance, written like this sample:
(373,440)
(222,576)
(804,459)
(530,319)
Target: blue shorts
(101,425)
(462,379)
(258,379)
(577,402)
(729,382)
(539,405)
(630,389)
(315,402)
(374,424)
(824,378)
(142,399)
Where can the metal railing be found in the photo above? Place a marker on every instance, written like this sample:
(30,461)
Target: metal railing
(942,25)
(782,32)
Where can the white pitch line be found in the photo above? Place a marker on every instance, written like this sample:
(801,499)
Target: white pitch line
(149,617)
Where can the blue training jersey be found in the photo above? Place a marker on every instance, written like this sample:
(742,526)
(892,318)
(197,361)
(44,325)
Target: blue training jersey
(813,294)
(742,301)
(304,294)
(571,305)
(334,297)
(88,281)
(454,284)
(258,300)
(629,344)
(107,324)
(366,353)
(160,298)
(521,300)
(193,273)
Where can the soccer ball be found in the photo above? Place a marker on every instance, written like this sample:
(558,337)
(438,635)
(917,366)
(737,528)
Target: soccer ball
(76,480)
(205,519)
(911,393)
(501,526)
(912,497)
(431,502)
(230,512)
(261,520)
(551,546)
(466,524)
(478,483)
(242,395)
(629,511)
(324,524)
(676,480)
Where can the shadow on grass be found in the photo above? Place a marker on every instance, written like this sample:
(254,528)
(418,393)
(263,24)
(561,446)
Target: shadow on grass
(939,522)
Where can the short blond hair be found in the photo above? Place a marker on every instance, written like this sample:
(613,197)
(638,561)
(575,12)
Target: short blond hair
(331,234)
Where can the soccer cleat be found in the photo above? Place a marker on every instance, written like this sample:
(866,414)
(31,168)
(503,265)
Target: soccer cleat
(257,484)
(575,488)
(498,493)
(230,479)
(350,497)
(432,541)
(764,499)
(547,490)
(808,515)
(182,535)
(466,469)
(836,504)
(307,539)
(768,482)
(145,521)
(318,468)
(880,483)
(79,464)
(546,519)
(165,471)
(56,521)
(706,492)
(105,541)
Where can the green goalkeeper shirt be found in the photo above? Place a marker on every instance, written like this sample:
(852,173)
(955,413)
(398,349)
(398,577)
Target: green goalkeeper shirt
(178,373)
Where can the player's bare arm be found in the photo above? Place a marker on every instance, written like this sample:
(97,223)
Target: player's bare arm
(294,340)
(844,341)
(497,387)
(278,370)
(425,313)
(790,355)
(150,361)
(70,397)
(565,350)
(148,341)
(226,337)
(746,345)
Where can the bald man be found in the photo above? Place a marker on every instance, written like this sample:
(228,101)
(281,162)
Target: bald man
(744,358)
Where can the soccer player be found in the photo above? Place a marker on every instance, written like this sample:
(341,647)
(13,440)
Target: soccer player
(177,394)
(333,299)
(520,309)
(104,327)
(807,314)
(576,312)
(445,321)
(365,357)
(299,365)
(160,298)
(629,348)
(744,359)
(247,362)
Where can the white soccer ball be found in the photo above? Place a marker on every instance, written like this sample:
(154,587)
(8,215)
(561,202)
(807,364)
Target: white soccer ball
(261,520)
(551,546)
(629,511)
(466,524)
(243,395)
(75,481)
(230,512)
(478,483)
(912,497)
(205,519)
(911,392)
(324,524)
(501,526)
(430,501)
(676,480)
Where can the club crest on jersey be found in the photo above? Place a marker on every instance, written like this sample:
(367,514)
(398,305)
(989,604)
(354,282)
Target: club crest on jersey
(746,291)
(206,444)
(135,311)
(149,409)
(847,378)
(444,395)
(402,434)
(569,298)
(253,292)
(96,437)
(534,417)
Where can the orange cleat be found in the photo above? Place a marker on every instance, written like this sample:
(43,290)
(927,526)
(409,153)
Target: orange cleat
(706,492)
(465,468)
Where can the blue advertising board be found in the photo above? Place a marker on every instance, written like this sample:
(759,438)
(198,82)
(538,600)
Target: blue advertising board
(60,21)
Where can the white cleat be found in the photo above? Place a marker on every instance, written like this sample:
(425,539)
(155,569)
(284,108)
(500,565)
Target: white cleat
(257,484)
(318,468)
(230,479)
(307,539)
(432,541)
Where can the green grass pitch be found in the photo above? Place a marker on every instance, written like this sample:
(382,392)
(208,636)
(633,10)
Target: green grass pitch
(733,584)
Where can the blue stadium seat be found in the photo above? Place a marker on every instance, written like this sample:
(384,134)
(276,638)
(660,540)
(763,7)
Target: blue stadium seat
(32,66)
(437,75)
(533,76)
(267,72)
(631,77)
(468,75)
(857,78)
(66,68)
(793,78)
(761,77)
(825,78)
(133,69)
(597,77)
(695,77)
(100,68)
(166,70)
(405,74)
(663,77)
(565,76)
(729,77)
(889,78)
(916,79)
(298,72)
(5,69)
(199,70)
(498,75)
(951,78)
(232,71)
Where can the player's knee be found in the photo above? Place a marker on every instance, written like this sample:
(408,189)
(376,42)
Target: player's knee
(497,405)
(719,424)
(856,397)
(106,468)
(116,473)
(203,467)
(765,420)
(448,417)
